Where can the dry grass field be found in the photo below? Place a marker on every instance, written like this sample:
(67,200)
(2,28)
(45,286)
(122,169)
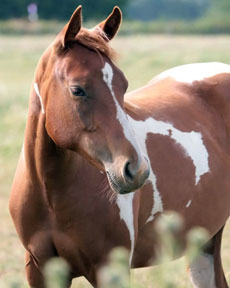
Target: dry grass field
(141,57)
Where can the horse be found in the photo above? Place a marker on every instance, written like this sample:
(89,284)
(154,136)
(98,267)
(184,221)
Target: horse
(99,165)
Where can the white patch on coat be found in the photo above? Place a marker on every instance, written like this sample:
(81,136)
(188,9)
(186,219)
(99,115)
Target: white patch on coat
(191,143)
(193,72)
(194,147)
(141,130)
(107,72)
(39,96)
(201,272)
(125,204)
(189,203)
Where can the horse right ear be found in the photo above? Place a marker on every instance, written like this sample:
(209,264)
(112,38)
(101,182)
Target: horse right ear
(72,28)
(112,23)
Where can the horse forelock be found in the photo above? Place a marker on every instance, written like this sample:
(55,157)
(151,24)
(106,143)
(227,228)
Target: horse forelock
(94,39)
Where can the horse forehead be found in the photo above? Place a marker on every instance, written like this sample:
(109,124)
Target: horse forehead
(77,60)
(87,64)
(82,62)
(72,69)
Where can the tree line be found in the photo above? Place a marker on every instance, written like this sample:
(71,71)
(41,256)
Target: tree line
(58,9)
(132,9)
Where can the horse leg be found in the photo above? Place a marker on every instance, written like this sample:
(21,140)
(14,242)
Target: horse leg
(33,274)
(207,271)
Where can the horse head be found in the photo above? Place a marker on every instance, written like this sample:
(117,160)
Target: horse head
(82,99)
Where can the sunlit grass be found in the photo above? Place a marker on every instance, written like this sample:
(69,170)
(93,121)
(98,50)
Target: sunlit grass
(141,57)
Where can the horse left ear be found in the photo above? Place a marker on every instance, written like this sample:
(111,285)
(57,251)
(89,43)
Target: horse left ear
(112,23)
(72,27)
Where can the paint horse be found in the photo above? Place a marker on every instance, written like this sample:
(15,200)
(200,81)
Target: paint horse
(87,146)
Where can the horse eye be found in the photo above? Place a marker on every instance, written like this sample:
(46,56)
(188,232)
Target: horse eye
(78,91)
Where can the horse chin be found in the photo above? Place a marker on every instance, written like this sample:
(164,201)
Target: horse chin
(117,187)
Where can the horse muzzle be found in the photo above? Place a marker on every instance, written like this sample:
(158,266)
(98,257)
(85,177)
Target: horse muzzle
(130,177)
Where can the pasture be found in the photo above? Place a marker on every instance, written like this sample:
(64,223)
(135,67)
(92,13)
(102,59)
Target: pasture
(141,57)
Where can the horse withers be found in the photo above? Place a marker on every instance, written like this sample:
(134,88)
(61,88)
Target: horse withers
(87,146)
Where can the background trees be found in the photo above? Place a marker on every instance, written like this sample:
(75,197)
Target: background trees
(167,9)
(58,9)
(132,9)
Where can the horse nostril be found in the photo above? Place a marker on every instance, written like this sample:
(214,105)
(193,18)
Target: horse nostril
(127,173)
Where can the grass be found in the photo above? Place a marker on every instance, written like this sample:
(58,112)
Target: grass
(141,58)
(213,23)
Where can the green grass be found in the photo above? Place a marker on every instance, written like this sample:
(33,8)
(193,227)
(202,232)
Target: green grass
(213,23)
(141,57)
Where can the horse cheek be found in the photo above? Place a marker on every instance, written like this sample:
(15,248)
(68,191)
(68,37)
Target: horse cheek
(64,131)
(86,118)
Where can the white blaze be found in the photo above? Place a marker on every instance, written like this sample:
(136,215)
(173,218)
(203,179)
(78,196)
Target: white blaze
(39,96)
(107,72)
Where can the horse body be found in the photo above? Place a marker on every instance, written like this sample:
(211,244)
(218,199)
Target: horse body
(184,127)
(64,206)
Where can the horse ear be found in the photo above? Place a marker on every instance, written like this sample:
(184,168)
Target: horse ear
(72,27)
(112,23)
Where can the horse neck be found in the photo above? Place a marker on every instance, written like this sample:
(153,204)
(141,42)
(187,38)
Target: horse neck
(43,159)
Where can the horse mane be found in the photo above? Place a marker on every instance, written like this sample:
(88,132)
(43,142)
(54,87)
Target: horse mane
(130,107)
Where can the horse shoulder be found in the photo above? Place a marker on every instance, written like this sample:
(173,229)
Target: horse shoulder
(25,205)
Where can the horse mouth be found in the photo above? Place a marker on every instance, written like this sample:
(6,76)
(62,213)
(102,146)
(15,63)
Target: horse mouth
(116,187)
